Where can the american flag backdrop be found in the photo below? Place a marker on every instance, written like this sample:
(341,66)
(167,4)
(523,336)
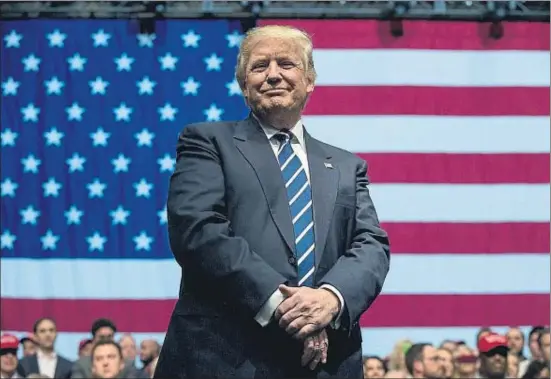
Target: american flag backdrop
(454,126)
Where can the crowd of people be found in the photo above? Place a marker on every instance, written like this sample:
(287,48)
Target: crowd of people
(104,356)
(493,356)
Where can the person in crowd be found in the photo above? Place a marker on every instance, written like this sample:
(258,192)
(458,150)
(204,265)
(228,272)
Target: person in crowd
(85,348)
(8,357)
(107,360)
(102,330)
(278,238)
(513,361)
(465,359)
(515,341)
(493,350)
(537,370)
(397,358)
(544,344)
(149,352)
(373,367)
(446,361)
(129,349)
(533,346)
(422,361)
(46,360)
(29,344)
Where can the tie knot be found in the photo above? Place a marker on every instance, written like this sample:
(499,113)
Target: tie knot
(283,136)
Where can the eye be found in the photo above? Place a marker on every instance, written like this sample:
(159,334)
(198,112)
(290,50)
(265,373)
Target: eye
(287,64)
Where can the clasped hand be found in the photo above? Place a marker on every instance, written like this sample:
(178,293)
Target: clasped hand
(305,310)
(304,314)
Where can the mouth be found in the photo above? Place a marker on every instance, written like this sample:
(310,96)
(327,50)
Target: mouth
(275,91)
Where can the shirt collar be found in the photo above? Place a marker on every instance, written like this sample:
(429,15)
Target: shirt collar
(297,130)
(41,354)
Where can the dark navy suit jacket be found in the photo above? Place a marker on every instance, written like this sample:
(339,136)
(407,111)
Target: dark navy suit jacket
(29,365)
(231,231)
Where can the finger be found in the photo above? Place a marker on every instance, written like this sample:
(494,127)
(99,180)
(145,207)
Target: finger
(325,350)
(305,330)
(296,325)
(284,307)
(308,352)
(288,291)
(289,317)
(315,360)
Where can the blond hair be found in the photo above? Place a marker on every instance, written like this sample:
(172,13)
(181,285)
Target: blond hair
(300,37)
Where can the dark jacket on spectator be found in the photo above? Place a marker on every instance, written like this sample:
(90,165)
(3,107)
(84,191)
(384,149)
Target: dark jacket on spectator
(29,365)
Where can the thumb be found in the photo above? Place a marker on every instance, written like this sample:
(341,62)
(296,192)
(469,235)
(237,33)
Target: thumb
(288,291)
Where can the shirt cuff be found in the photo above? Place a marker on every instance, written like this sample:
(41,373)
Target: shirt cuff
(336,323)
(264,316)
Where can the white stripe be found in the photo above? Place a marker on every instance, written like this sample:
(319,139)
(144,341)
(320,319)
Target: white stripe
(308,205)
(431,67)
(468,274)
(305,255)
(293,177)
(433,134)
(304,232)
(462,274)
(300,191)
(308,274)
(461,203)
(287,161)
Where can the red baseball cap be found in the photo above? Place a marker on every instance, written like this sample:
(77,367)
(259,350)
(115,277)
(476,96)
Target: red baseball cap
(8,341)
(492,341)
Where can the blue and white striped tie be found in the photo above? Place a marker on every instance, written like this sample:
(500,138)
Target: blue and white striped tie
(300,203)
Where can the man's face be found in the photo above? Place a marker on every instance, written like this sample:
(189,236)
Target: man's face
(106,362)
(546,346)
(431,363)
(104,333)
(446,363)
(148,350)
(494,363)
(46,334)
(465,361)
(276,77)
(128,347)
(515,340)
(29,348)
(373,368)
(8,361)
(534,346)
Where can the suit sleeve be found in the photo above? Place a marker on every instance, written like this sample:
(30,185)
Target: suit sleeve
(201,236)
(360,271)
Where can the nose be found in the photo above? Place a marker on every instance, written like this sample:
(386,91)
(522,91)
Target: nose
(273,74)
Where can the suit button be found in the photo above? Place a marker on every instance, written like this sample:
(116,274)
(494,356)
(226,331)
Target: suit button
(292,260)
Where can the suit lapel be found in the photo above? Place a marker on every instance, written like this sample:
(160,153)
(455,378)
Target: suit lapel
(34,364)
(255,147)
(324,179)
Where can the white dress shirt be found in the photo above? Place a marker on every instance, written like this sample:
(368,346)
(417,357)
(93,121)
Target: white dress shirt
(298,145)
(46,363)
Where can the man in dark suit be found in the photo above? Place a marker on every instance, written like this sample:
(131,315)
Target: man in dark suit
(278,239)
(45,361)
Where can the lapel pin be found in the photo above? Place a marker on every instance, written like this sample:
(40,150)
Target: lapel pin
(328,165)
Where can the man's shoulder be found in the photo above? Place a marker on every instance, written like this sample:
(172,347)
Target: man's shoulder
(340,154)
(84,361)
(211,128)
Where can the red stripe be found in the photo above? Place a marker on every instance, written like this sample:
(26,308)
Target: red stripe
(464,238)
(143,316)
(458,168)
(452,35)
(458,310)
(434,101)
